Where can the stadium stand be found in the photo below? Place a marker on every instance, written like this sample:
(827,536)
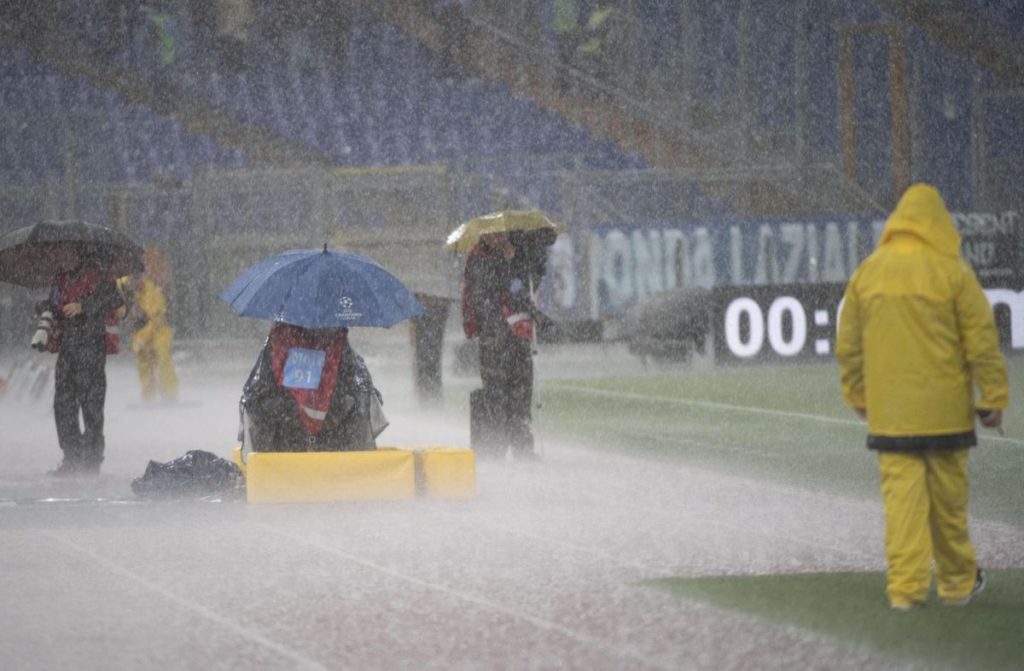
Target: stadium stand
(705,112)
(53,123)
(755,89)
(760,83)
(392,105)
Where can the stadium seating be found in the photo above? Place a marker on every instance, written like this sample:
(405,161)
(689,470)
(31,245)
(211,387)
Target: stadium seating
(942,79)
(391,105)
(393,102)
(53,123)
(1008,15)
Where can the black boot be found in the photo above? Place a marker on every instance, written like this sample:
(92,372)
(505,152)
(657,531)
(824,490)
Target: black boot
(89,463)
(70,466)
(90,467)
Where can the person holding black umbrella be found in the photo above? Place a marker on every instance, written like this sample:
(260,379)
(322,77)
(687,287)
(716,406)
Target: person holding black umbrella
(78,261)
(80,302)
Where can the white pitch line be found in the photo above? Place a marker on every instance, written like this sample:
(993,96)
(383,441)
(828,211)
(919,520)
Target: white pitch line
(701,444)
(1001,439)
(479,601)
(300,660)
(675,400)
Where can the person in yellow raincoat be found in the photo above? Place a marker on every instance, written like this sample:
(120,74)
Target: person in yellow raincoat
(916,336)
(151,341)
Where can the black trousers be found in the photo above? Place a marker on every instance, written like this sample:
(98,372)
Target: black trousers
(80,387)
(506,371)
(428,340)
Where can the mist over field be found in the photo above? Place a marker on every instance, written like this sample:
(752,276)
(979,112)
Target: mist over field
(705,176)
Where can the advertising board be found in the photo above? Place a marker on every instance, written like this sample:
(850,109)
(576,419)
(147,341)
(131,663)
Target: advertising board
(791,274)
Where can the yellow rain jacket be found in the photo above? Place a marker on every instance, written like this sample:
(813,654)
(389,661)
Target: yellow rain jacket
(152,345)
(153,305)
(916,333)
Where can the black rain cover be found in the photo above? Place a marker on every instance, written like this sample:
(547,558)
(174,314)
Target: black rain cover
(195,475)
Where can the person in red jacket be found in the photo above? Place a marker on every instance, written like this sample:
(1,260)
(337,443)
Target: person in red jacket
(498,309)
(80,303)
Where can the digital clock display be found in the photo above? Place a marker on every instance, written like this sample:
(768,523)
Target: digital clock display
(777,321)
(794,321)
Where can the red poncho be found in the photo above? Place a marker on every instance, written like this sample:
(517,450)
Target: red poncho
(312,403)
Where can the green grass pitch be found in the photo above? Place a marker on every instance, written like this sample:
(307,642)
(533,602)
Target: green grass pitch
(787,424)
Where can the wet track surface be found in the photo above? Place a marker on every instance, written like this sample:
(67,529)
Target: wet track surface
(542,570)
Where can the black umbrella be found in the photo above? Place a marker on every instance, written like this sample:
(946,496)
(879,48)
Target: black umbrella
(32,256)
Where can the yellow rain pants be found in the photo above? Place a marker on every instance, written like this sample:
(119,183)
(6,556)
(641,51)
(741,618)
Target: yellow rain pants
(925,498)
(152,346)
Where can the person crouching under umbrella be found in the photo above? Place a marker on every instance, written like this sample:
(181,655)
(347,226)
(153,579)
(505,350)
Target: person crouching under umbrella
(309,391)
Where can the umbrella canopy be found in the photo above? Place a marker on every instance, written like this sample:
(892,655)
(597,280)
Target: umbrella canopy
(321,289)
(464,238)
(32,256)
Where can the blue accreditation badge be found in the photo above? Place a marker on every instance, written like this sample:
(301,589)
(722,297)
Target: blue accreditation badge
(303,367)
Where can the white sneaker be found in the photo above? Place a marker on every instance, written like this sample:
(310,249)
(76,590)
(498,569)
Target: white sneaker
(979,586)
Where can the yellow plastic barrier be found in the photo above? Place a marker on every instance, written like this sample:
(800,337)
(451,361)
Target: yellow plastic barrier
(307,477)
(446,472)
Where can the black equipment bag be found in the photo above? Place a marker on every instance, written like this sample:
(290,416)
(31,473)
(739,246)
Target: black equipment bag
(197,474)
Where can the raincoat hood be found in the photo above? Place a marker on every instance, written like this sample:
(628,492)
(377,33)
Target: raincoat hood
(922,214)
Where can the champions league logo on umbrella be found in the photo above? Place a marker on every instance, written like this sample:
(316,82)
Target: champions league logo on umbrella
(346,313)
(302,286)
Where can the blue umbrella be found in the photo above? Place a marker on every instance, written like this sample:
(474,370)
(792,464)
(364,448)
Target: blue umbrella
(315,289)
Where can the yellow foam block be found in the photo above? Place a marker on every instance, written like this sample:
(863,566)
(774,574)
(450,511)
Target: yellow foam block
(446,472)
(307,477)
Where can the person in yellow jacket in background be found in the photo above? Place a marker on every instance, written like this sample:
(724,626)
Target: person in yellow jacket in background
(151,341)
(916,336)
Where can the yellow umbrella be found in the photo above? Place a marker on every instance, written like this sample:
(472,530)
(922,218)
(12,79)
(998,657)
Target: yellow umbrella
(464,238)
